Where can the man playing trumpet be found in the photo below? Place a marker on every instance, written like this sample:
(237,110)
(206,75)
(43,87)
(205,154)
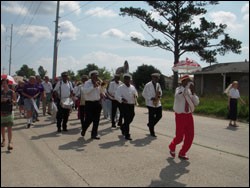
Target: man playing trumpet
(92,92)
(152,93)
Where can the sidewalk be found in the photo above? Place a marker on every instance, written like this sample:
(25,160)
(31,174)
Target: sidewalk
(219,155)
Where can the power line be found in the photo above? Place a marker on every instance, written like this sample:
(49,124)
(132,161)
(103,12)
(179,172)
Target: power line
(29,24)
(76,9)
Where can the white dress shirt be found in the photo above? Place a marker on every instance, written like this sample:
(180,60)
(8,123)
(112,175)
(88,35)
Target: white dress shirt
(149,92)
(128,93)
(234,93)
(112,88)
(91,93)
(181,95)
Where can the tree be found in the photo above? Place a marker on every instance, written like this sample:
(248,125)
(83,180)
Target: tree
(143,75)
(103,73)
(25,71)
(42,72)
(181,35)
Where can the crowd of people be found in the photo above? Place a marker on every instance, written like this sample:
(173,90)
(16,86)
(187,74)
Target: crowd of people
(117,99)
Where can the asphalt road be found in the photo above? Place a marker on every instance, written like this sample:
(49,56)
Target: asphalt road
(219,156)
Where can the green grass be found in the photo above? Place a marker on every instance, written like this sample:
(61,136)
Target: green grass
(212,105)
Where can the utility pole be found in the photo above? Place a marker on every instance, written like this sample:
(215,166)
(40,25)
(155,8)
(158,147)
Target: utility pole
(55,42)
(10,49)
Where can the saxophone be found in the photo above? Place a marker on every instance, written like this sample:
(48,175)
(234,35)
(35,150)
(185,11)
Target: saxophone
(157,96)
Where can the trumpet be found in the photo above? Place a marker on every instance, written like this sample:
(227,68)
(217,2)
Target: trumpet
(98,82)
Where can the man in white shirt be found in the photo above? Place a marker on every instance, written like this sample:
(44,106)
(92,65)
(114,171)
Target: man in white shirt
(63,90)
(113,85)
(184,104)
(152,93)
(93,107)
(80,95)
(126,94)
(48,95)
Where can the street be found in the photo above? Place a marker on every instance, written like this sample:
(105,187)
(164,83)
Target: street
(219,156)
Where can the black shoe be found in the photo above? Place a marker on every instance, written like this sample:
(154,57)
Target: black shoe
(95,137)
(153,135)
(66,130)
(83,133)
(59,130)
(28,126)
(128,138)
(113,126)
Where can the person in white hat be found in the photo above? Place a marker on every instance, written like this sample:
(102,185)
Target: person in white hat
(115,104)
(92,92)
(184,104)
(126,94)
(152,93)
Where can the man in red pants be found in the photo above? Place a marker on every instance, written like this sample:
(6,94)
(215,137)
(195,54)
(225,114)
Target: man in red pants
(184,104)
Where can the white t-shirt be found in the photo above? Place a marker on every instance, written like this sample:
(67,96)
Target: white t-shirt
(63,89)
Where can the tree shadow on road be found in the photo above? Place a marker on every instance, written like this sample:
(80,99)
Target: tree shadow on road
(171,173)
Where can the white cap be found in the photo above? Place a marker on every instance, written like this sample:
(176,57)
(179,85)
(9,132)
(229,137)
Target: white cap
(127,75)
(93,72)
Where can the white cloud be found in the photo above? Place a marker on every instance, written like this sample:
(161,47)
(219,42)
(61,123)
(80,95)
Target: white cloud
(227,18)
(103,59)
(245,8)
(245,11)
(101,12)
(13,7)
(68,30)
(113,33)
(137,35)
(68,6)
(112,61)
(33,32)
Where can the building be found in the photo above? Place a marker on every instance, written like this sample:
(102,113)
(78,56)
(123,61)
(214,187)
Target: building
(214,79)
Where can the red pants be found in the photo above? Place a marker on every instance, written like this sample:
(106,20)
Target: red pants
(184,131)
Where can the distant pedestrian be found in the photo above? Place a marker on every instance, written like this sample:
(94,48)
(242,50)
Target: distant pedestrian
(81,97)
(47,100)
(152,93)
(8,97)
(184,104)
(233,96)
(30,93)
(113,85)
(126,94)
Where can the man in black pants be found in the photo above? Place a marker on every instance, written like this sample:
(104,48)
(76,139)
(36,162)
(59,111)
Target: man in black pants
(115,104)
(126,94)
(92,91)
(62,90)
(152,93)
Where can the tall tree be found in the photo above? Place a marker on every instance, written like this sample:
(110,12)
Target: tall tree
(180,33)
(42,72)
(103,73)
(26,71)
(143,75)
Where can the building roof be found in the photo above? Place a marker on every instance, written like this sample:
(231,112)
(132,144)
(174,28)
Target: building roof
(233,67)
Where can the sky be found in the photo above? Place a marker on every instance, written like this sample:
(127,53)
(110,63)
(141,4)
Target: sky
(93,32)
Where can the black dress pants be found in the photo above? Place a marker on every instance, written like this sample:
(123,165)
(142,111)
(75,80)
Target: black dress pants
(93,112)
(128,113)
(154,115)
(62,116)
